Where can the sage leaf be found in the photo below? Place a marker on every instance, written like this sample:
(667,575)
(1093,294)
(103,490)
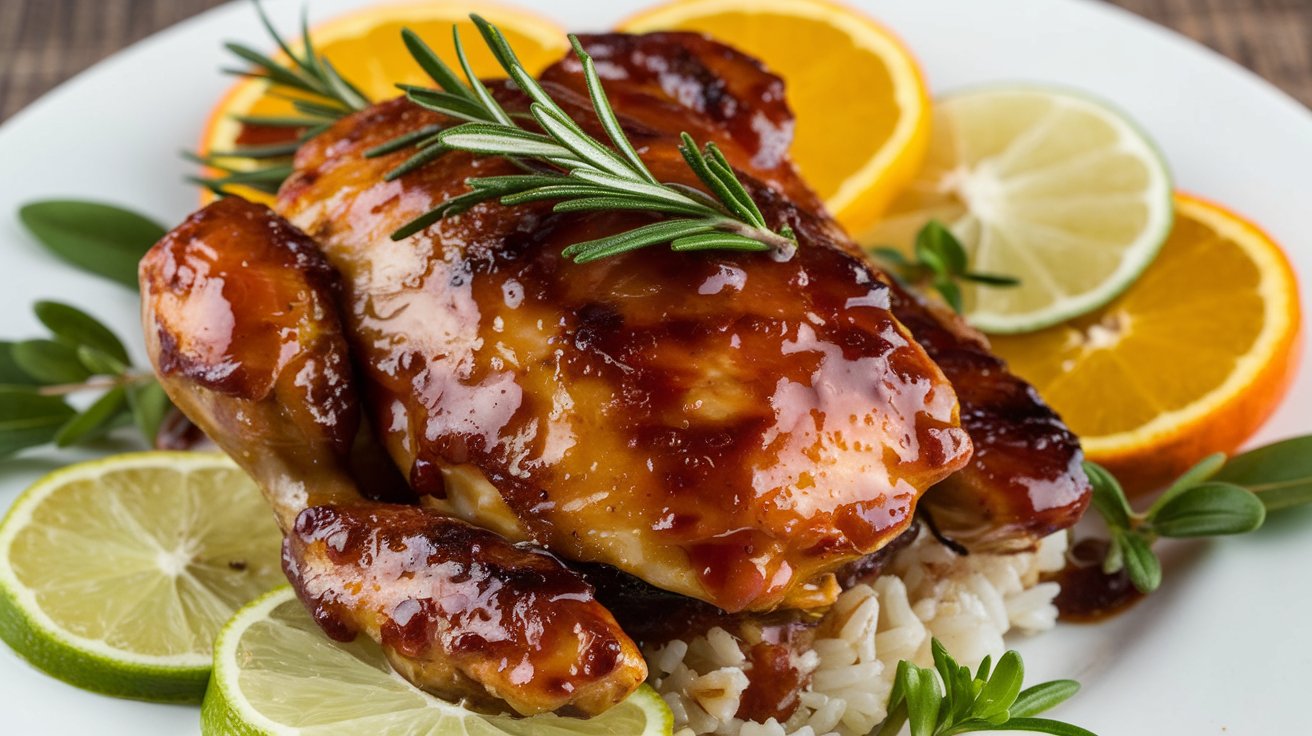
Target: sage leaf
(1143,567)
(96,420)
(1280,473)
(1034,700)
(99,238)
(1209,509)
(10,372)
(149,404)
(49,362)
(77,328)
(28,419)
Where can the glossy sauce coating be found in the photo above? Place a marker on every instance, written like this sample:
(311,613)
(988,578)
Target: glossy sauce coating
(1026,478)
(239,313)
(461,610)
(725,426)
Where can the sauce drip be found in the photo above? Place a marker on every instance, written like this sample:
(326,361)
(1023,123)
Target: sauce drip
(1088,595)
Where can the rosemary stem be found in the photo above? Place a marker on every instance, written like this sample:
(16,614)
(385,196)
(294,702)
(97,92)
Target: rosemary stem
(94,383)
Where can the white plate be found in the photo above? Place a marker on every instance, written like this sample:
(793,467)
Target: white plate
(1223,648)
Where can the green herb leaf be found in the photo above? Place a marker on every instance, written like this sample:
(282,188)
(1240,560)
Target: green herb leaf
(149,405)
(49,362)
(1033,725)
(1199,473)
(1034,700)
(994,701)
(78,329)
(10,372)
(100,238)
(923,698)
(1210,509)
(936,245)
(99,363)
(95,421)
(1143,567)
(1108,496)
(28,419)
(1280,473)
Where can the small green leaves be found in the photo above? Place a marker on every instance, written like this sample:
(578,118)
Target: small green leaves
(99,238)
(50,361)
(1280,474)
(28,419)
(81,356)
(1213,498)
(1207,510)
(77,328)
(564,163)
(967,704)
(940,262)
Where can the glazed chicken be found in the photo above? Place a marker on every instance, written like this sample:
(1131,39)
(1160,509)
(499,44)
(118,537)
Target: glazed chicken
(459,429)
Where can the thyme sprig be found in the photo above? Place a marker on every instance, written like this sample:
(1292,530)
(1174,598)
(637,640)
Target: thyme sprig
(316,90)
(1213,498)
(939,262)
(561,162)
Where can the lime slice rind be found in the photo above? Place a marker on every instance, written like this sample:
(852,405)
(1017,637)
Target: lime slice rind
(271,684)
(1051,185)
(111,594)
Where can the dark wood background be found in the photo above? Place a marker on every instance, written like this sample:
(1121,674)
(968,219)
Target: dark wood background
(43,42)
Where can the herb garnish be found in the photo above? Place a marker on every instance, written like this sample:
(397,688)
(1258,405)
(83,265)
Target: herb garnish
(315,89)
(565,163)
(940,261)
(966,703)
(1213,498)
(81,355)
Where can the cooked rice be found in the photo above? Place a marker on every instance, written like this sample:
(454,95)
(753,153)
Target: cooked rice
(969,603)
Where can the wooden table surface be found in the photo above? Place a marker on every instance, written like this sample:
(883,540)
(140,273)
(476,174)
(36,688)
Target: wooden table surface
(43,42)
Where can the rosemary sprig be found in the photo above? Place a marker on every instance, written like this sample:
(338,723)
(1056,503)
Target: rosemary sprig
(561,162)
(314,87)
(940,262)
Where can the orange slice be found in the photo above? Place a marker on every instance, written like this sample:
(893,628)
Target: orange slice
(1191,360)
(863,110)
(366,47)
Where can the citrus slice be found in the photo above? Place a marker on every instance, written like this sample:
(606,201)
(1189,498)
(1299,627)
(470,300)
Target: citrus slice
(1047,186)
(365,47)
(1189,361)
(862,107)
(276,673)
(117,574)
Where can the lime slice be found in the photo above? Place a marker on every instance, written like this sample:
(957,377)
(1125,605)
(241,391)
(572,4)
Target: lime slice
(1051,187)
(276,673)
(116,575)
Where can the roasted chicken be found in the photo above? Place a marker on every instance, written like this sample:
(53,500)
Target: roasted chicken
(732,429)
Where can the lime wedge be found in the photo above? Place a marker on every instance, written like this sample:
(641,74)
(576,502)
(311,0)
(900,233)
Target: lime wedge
(276,674)
(1056,189)
(116,575)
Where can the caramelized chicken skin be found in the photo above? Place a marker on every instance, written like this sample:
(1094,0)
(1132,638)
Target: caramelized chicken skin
(242,328)
(734,428)
(730,427)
